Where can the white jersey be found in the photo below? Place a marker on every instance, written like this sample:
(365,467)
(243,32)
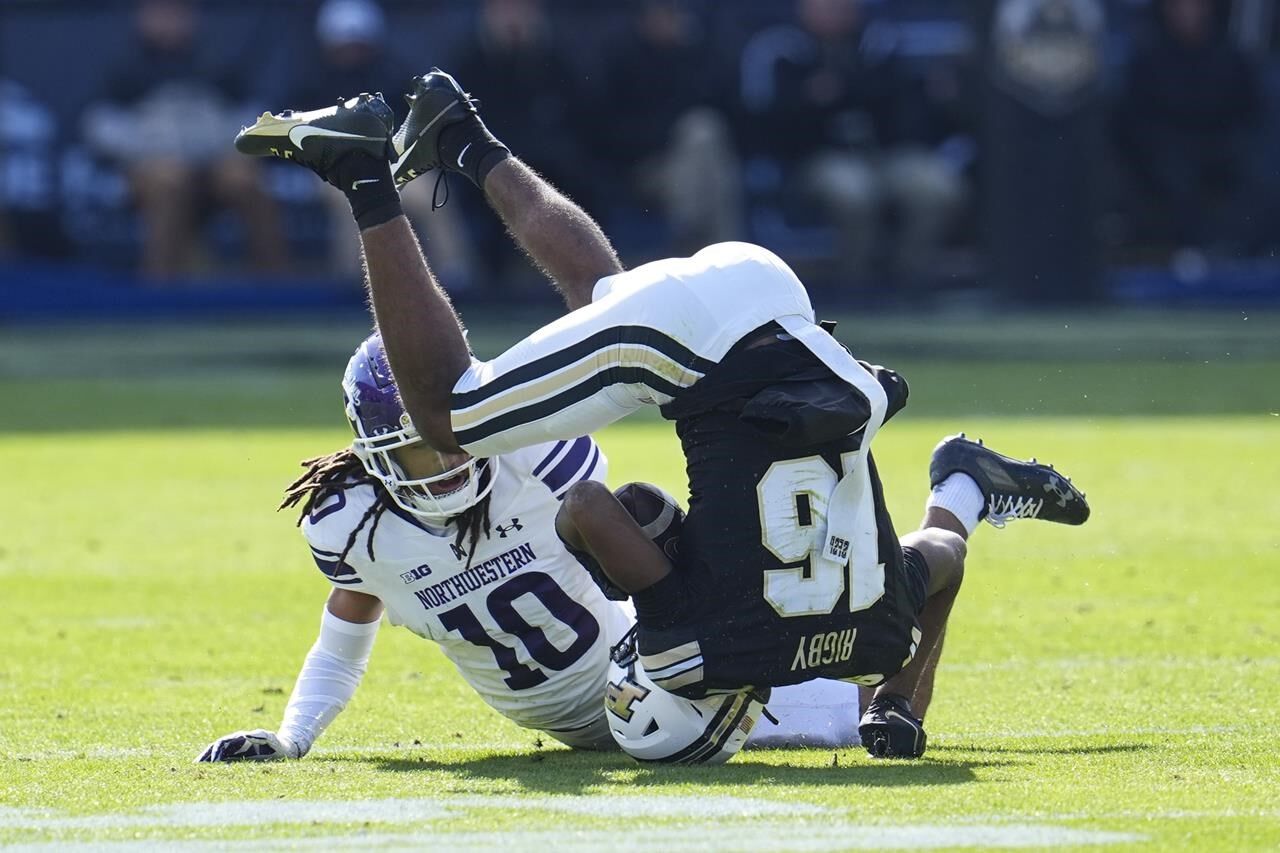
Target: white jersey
(520,618)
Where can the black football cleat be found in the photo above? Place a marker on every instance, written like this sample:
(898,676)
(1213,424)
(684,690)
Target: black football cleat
(1013,488)
(890,730)
(436,102)
(318,139)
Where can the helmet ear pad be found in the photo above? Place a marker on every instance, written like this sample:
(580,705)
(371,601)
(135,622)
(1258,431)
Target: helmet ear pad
(650,724)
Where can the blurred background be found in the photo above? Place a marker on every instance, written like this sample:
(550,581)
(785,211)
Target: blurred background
(898,153)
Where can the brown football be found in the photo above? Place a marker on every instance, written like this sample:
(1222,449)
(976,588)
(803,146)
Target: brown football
(657,513)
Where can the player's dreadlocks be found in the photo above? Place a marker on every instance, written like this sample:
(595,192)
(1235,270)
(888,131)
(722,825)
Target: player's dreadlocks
(327,475)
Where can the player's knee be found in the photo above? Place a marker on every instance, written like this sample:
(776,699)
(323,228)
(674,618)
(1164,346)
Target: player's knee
(951,549)
(944,553)
(582,496)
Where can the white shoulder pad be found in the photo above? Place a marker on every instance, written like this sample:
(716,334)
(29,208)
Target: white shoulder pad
(560,464)
(327,528)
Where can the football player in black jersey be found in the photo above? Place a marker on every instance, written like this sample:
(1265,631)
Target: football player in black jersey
(788,567)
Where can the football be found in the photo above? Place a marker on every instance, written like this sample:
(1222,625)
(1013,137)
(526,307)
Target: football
(657,513)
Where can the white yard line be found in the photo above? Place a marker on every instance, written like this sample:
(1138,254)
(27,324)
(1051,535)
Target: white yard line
(1070,663)
(736,836)
(399,811)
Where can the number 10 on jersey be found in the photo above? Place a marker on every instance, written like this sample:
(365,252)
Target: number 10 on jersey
(793,496)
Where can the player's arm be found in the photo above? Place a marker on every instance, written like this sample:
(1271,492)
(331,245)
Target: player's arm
(593,520)
(330,675)
(420,331)
(560,237)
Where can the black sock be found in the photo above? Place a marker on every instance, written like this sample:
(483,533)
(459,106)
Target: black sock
(366,181)
(479,149)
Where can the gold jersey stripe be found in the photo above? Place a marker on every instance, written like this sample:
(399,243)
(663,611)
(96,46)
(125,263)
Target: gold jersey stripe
(631,355)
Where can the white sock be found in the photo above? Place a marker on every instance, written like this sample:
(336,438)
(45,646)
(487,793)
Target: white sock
(959,495)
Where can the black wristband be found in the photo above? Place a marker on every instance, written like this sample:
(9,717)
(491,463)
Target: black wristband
(367,183)
(374,210)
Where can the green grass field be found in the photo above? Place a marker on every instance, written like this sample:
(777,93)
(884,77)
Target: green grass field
(1116,684)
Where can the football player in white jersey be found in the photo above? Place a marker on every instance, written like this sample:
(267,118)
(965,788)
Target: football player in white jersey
(464,552)
(790,568)
(460,551)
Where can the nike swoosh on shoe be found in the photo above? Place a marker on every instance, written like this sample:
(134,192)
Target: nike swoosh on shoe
(396,166)
(303,132)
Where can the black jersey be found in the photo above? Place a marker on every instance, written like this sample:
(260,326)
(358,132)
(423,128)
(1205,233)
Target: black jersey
(764,435)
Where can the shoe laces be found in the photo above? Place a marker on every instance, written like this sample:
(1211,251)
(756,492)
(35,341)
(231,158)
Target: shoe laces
(442,180)
(1004,508)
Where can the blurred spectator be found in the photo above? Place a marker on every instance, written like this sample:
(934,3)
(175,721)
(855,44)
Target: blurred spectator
(29,216)
(167,114)
(664,126)
(351,57)
(843,120)
(532,97)
(1186,127)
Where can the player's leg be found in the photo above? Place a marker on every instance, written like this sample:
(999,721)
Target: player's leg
(940,544)
(349,145)
(421,333)
(444,130)
(970,483)
(650,334)
(893,723)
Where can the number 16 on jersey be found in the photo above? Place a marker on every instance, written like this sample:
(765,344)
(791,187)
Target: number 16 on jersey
(793,497)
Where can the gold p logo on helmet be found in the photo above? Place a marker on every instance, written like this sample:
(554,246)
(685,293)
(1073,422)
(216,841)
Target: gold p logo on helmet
(619,697)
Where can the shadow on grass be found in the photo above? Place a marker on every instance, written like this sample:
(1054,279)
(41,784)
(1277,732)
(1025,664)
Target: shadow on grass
(573,772)
(1098,749)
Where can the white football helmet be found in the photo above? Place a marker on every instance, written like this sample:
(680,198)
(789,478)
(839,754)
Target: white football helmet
(651,724)
(381,425)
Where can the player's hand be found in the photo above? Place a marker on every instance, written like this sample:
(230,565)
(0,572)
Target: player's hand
(256,745)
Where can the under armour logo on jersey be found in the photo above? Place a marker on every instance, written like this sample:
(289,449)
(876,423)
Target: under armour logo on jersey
(503,531)
(1054,486)
(459,553)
